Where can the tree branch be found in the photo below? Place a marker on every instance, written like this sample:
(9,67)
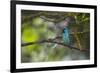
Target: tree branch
(51,41)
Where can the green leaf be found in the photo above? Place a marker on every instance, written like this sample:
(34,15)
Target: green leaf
(30,35)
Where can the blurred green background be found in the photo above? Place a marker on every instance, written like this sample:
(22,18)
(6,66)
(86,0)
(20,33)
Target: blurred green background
(34,28)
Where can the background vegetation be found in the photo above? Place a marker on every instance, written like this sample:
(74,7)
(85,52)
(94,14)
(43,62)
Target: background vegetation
(37,26)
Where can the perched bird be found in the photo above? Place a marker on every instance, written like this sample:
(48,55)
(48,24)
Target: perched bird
(63,29)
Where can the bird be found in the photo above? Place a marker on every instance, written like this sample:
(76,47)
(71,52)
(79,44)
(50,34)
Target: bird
(63,30)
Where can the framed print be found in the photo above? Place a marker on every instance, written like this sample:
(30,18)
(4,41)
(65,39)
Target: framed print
(52,36)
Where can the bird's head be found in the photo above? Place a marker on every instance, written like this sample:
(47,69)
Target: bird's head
(69,21)
(65,23)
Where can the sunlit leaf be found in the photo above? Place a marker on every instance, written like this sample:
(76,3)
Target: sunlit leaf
(30,35)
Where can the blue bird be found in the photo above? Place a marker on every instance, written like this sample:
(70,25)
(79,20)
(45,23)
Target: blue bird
(66,35)
(63,26)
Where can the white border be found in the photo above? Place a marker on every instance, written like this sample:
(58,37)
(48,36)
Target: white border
(20,65)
